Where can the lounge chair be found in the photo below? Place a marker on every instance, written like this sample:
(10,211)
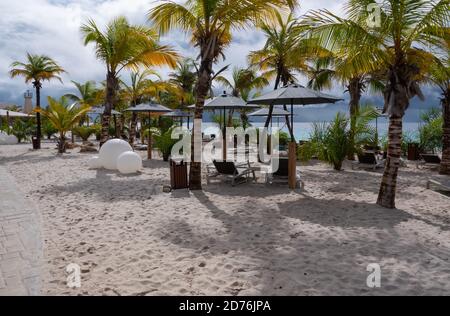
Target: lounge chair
(429,160)
(442,183)
(281,175)
(368,160)
(237,173)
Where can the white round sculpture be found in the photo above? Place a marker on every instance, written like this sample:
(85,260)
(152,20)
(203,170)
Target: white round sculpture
(111,150)
(129,162)
(95,163)
(6,139)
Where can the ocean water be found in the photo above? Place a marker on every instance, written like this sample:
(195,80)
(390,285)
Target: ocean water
(302,130)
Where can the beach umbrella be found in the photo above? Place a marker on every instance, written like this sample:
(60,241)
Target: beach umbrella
(153,110)
(180,115)
(227,102)
(277,112)
(8,114)
(99,110)
(293,94)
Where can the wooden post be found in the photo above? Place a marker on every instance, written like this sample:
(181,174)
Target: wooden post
(292,165)
(149,145)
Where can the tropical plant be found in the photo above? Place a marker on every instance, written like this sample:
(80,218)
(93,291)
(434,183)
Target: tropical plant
(328,142)
(330,68)
(361,132)
(84,132)
(210,23)
(36,69)
(440,76)
(244,81)
(88,94)
(123,46)
(285,52)
(22,129)
(395,44)
(335,143)
(283,138)
(140,89)
(164,142)
(48,129)
(184,77)
(431,132)
(64,117)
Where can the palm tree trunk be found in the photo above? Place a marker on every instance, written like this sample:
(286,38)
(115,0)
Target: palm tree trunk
(202,89)
(133,128)
(230,118)
(269,116)
(62,144)
(355,91)
(445,162)
(386,196)
(122,127)
(38,86)
(111,89)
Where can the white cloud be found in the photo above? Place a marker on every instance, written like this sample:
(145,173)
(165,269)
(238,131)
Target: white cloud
(52,27)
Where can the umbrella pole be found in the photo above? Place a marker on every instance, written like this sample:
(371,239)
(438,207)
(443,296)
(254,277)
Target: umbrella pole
(292,154)
(115,125)
(8,128)
(224,137)
(149,145)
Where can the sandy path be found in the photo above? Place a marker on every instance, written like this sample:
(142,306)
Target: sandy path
(130,238)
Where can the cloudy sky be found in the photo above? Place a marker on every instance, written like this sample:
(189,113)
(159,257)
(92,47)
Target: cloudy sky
(51,27)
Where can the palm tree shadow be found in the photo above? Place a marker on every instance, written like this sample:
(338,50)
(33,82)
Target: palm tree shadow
(344,213)
(266,235)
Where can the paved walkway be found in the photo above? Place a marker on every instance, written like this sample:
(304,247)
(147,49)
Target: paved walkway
(20,241)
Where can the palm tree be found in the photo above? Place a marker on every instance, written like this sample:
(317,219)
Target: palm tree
(37,69)
(329,68)
(284,53)
(394,45)
(185,77)
(139,89)
(210,22)
(88,94)
(440,76)
(63,116)
(244,81)
(124,46)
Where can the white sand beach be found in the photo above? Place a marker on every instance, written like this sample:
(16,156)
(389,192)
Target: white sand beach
(130,238)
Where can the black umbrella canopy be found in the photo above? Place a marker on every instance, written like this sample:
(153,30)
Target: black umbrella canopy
(226,101)
(178,114)
(294,94)
(277,112)
(149,108)
(101,109)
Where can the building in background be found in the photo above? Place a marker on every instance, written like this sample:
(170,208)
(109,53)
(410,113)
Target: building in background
(28,106)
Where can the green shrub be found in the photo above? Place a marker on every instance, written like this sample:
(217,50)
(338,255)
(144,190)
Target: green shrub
(47,128)
(97,131)
(330,142)
(22,129)
(83,132)
(431,132)
(165,143)
(283,138)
